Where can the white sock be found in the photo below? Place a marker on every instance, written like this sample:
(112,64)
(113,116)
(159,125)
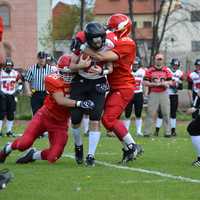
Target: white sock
(77,136)
(127,123)
(85,124)
(37,155)
(196,143)
(1,124)
(9,147)
(173,122)
(138,124)
(159,122)
(124,145)
(9,125)
(94,137)
(128,139)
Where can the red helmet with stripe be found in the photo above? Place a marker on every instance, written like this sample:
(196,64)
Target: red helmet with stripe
(120,24)
(63,68)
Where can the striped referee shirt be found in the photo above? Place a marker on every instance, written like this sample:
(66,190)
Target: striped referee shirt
(35,76)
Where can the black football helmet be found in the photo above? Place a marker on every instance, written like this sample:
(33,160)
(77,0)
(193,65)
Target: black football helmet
(197,62)
(8,65)
(137,64)
(95,34)
(175,63)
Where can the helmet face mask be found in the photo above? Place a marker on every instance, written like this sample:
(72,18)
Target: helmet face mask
(96,43)
(137,64)
(63,68)
(197,65)
(95,34)
(175,64)
(8,65)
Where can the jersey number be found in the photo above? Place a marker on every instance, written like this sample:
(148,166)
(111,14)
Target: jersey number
(9,86)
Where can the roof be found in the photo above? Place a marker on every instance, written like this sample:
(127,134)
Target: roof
(106,7)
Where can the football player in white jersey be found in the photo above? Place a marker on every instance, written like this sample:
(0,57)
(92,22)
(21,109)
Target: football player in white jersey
(10,85)
(137,100)
(177,78)
(194,82)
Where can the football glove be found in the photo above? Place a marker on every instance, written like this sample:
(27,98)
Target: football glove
(86,104)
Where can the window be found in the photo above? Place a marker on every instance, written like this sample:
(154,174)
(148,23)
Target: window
(195,16)
(5,13)
(135,24)
(195,45)
(147,24)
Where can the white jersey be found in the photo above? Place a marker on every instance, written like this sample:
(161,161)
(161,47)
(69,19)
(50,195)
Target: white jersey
(139,77)
(9,81)
(109,44)
(195,78)
(177,76)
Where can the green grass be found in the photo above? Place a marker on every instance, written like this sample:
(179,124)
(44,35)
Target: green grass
(66,180)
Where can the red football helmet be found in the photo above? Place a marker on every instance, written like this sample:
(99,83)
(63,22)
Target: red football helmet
(63,68)
(119,24)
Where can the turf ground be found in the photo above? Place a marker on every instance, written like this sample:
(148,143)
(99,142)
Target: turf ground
(164,172)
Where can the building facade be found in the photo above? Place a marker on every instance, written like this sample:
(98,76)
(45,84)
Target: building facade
(23,23)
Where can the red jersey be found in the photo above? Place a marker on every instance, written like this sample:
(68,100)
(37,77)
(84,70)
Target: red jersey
(157,75)
(1,28)
(122,77)
(54,83)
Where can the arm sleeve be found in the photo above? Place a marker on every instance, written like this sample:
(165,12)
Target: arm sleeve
(28,75)
(52,84)
(123,48)
(190,83)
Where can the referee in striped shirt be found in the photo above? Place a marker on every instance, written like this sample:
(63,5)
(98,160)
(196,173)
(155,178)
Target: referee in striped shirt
(34,81)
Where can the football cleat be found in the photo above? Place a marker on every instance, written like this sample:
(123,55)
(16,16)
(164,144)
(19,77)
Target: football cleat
(79,154)
(196,163)
(4,154)
(10,134)
(138,150)
(90,161)
(27,157)
(134,150)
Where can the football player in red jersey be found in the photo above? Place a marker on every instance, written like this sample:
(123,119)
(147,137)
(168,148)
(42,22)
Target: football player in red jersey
(53,117)
(120,80)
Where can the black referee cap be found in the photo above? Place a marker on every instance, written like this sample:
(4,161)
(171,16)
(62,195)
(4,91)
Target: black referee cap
(41,55)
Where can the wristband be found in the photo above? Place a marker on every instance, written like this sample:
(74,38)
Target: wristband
(83,47)
(104,72)
(78,103)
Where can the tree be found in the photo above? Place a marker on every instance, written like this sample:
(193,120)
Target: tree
(62,26)
(158,38)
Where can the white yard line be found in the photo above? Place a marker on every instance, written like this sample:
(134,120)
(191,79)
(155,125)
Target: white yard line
(145,171)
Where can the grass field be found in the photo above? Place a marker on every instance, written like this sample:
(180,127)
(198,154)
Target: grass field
(164,172)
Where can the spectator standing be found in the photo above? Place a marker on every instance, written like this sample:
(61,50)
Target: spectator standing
(158,78)
(176,85)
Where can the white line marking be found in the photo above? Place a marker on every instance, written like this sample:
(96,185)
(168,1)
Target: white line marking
(146,171)
(144,181)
